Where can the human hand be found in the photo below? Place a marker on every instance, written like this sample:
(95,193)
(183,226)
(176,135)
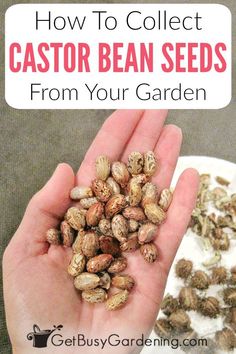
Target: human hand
(37,288)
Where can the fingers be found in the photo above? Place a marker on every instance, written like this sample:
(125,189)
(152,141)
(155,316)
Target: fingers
(178,216)
(146,133)
(167,151)
(110,140)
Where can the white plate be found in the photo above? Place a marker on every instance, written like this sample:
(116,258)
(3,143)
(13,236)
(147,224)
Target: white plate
(191,247)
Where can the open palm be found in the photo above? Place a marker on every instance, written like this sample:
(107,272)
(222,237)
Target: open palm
(37,288)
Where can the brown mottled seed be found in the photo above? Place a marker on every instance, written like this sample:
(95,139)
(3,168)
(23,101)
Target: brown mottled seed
(86,203)
(135,163)
(147,232)
(131,244)
(94,214)
(102,167)
(114,205)
(105,227)
(109,245)
(120,173)
(149,252)
(140,179)
(135,213)
(119,228)
(75,218)
(99,263)
(53,237)
(67,234)
(150,164)
(105,280)
(94,296)
(165,199)
(86,281)
(113,185)
(77,264)
(123,281)
(78,193)
(90,244)
(117,265)
(135,193)
(77,245)
(117,300)
(149,194)
(101,190)
(133,225)
(154,213)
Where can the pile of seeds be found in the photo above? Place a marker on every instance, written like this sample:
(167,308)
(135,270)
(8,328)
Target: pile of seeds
(120,212)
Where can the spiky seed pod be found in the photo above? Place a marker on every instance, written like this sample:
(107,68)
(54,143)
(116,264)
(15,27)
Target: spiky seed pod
(163,328)
(169,304)
(188,298)
(180,320)
(209,306)
(229,296)
(200,280)
(183,268)
(225,339)
(218,275)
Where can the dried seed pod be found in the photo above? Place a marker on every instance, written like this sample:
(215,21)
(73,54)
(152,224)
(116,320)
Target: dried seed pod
(135,193)
(131,244)
(53,237)
(163,328)
(105,280)
(135,213)
(133,225)
(183,268)
(101,190)
(86,281)
(67,234)
(209,306)
(232,279)
(188,298)
(221,244)
(113,185)
(123,281)
(117,265)
(146,233)
(149,252)
(119,228)
(150,194)
(99,263)
(231,318)
(78,193)
(120,173)
(109,245)
(75,218)
(135,163)
(77,264)
(180,320)
(165,199)
(77,245)
(94,214)
(222,181)
(105,227)
(86,203)
(154,213)
(200,280)
(150,164)
(219,275)
(213,260)
(90,244)
(117,300)
(114,205)
(169,304)
(218,193)
(103,167)
(94,296)
(229,296)
(225,339)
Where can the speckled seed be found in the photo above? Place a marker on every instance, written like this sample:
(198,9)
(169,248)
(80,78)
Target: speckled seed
(77,264)
(149,252)
(140,179)
(117,265)
(149,194)
(123,281)
(131,244)
(165,199)
(113,185)
(135,193)
(75,218)
(133,225)
(114,205)
(90,244)
(86,203)
(109,245)
(101,190)
(67,234)
(99,263)
(53,237)
(135,163)
(120,173)
(102,167)
(105,280)
(81,192)
(117,300)
(86,281)
(147,232)
(135,213)
(94,214)
(154,213)
(77,245)
(105,227)
(149,163)
(119,228)
(94,296)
